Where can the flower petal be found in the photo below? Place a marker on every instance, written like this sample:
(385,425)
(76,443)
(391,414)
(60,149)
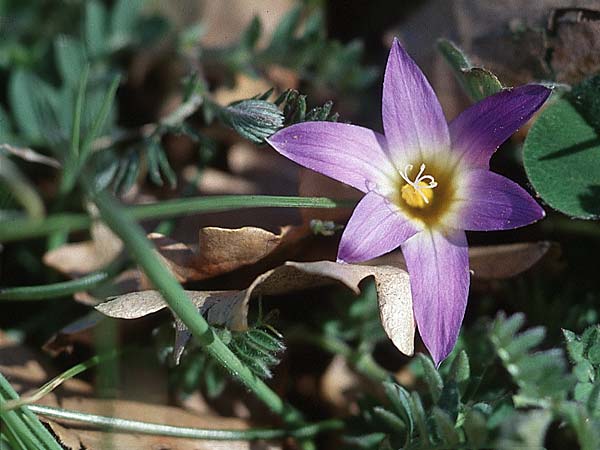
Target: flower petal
(413,120)
(493,202)
(438,267)
(376,227)
(347,153)
(479,130)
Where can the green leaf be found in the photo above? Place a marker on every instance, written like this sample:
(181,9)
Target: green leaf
(129,169)
(255,120)
(21,188)
(190,37)
(419,416)
(504,329)
(265,340)
(477,82)
(100,118)
(251,34)
(562,160)
(460,370)
(33,103)
(70,59)
(432,377)
(574,346)
(123,19)
(401,401)
(284,32)
(593,400)
(445,427)
(475,429)
(166,169)
(392,421)
(450,399)
(523,342)
(152,157)
(95,23)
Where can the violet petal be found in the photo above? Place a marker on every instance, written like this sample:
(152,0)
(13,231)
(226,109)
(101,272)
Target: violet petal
(347,153)
(376,227)
(438,267)
(493,202)
(413,120)
(479,130)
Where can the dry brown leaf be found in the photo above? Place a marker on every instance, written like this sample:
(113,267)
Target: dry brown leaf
(575,44)
(221,250)
(230,308)
(504,35)
(79,331)
(491,261)
(92,439)
(84,257)
(68,439)
(341,386)
(23,369)
(505,261)
(26,372)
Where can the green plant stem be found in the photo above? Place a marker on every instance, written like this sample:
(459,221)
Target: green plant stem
(134,426)
(12,230)
(122,224)
(362,362)
(24,425)
(57,381)
(62,289)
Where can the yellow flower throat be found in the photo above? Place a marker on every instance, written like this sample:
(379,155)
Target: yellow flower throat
(417,193)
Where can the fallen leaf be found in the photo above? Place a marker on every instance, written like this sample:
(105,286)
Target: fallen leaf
(491,261)
(230,308)
(79,331)
(221,250)
(575,43)
(341,386)
(505,261)
(80,258)
(26,372)
(72,433)
(66,438)
(505,36)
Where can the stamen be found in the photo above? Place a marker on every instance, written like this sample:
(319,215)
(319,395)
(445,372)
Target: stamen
(420,179)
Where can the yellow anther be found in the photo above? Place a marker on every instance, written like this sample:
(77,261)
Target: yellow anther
(416,197)
(417,193)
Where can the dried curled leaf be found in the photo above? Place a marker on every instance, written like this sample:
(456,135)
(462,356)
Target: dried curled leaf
(221,250)
(230,308)
(490,262)
(84,257)
(505,261)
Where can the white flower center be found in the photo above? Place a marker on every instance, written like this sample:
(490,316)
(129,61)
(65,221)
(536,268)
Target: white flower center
(419,182)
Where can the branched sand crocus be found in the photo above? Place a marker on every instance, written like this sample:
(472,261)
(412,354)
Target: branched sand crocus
(425,182)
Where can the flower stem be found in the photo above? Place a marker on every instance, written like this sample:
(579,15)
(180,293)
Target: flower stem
(134,426)
(123,225)
(28,228)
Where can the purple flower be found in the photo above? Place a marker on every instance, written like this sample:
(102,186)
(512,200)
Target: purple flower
(425,182)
